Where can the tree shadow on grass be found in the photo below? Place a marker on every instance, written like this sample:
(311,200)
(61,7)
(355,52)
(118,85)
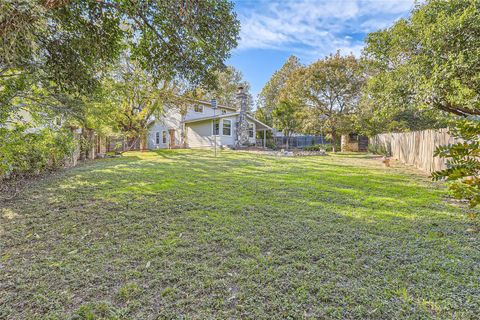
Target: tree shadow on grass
(239,228)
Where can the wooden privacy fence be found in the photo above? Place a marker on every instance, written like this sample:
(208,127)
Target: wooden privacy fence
(415,148)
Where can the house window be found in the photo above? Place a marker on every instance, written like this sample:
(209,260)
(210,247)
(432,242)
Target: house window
(198,108)
(157,137)
(216,127)
(224,111)
(227,127)
(250,130)
(164,136)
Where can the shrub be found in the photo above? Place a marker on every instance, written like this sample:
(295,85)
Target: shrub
(271,145)
(316,147)
(24,153)
(462,160)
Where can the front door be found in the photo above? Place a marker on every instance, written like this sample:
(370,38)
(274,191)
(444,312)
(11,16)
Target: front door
(171,133)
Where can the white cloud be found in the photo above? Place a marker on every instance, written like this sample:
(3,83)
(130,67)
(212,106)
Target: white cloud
(316,28)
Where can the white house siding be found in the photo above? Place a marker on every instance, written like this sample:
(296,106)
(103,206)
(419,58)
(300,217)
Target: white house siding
(170,120)
(200,134)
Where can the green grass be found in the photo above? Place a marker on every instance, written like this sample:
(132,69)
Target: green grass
(180,234)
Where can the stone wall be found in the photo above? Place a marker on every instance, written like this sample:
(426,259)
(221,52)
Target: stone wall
(346,145)
(357,144)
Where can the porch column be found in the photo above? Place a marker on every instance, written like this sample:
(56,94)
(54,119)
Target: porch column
(264,138)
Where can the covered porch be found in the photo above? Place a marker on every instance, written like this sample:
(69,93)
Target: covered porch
(260,132)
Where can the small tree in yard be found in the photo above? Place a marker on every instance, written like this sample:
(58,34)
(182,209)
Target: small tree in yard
(287,116)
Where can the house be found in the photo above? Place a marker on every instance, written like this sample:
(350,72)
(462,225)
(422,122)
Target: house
(203,127)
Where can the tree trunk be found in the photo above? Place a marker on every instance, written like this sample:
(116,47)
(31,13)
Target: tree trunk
(143,142)
(183,133)
(87,147)
(334,140)
(91,144)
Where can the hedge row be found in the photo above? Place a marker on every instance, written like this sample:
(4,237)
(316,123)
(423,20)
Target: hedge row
(26,153)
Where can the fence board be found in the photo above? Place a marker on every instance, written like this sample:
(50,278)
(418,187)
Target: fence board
(416,148)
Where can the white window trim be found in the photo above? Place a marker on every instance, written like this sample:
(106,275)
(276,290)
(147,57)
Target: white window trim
(253,130)
(157,137)
(231,128)
(198,105)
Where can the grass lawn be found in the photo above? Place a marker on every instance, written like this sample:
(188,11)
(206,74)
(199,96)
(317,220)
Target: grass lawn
(180,234)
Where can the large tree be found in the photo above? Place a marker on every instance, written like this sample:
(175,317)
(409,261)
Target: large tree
(269,97)
(432,57)
(386,106)
(53,51)
(330,90)
(137,100)
(433,60)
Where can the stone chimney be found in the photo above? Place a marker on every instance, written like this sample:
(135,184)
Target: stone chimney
(241,136)
(242,99)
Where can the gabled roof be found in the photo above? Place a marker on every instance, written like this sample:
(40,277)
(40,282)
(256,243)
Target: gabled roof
(212,117)
(226,116)
(208,104)
(259,122)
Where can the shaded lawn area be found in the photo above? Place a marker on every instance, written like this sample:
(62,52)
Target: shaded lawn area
(180,234)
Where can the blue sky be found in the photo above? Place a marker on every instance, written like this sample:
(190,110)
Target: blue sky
(310,29)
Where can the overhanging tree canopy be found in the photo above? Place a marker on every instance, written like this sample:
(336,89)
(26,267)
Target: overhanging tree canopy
(59,48)
(433,57)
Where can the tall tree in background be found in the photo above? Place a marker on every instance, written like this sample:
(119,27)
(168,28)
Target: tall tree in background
(330,90)
(270,95)
(228,81)
(386,106)
(287,116)
(430,60)
(433,59)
